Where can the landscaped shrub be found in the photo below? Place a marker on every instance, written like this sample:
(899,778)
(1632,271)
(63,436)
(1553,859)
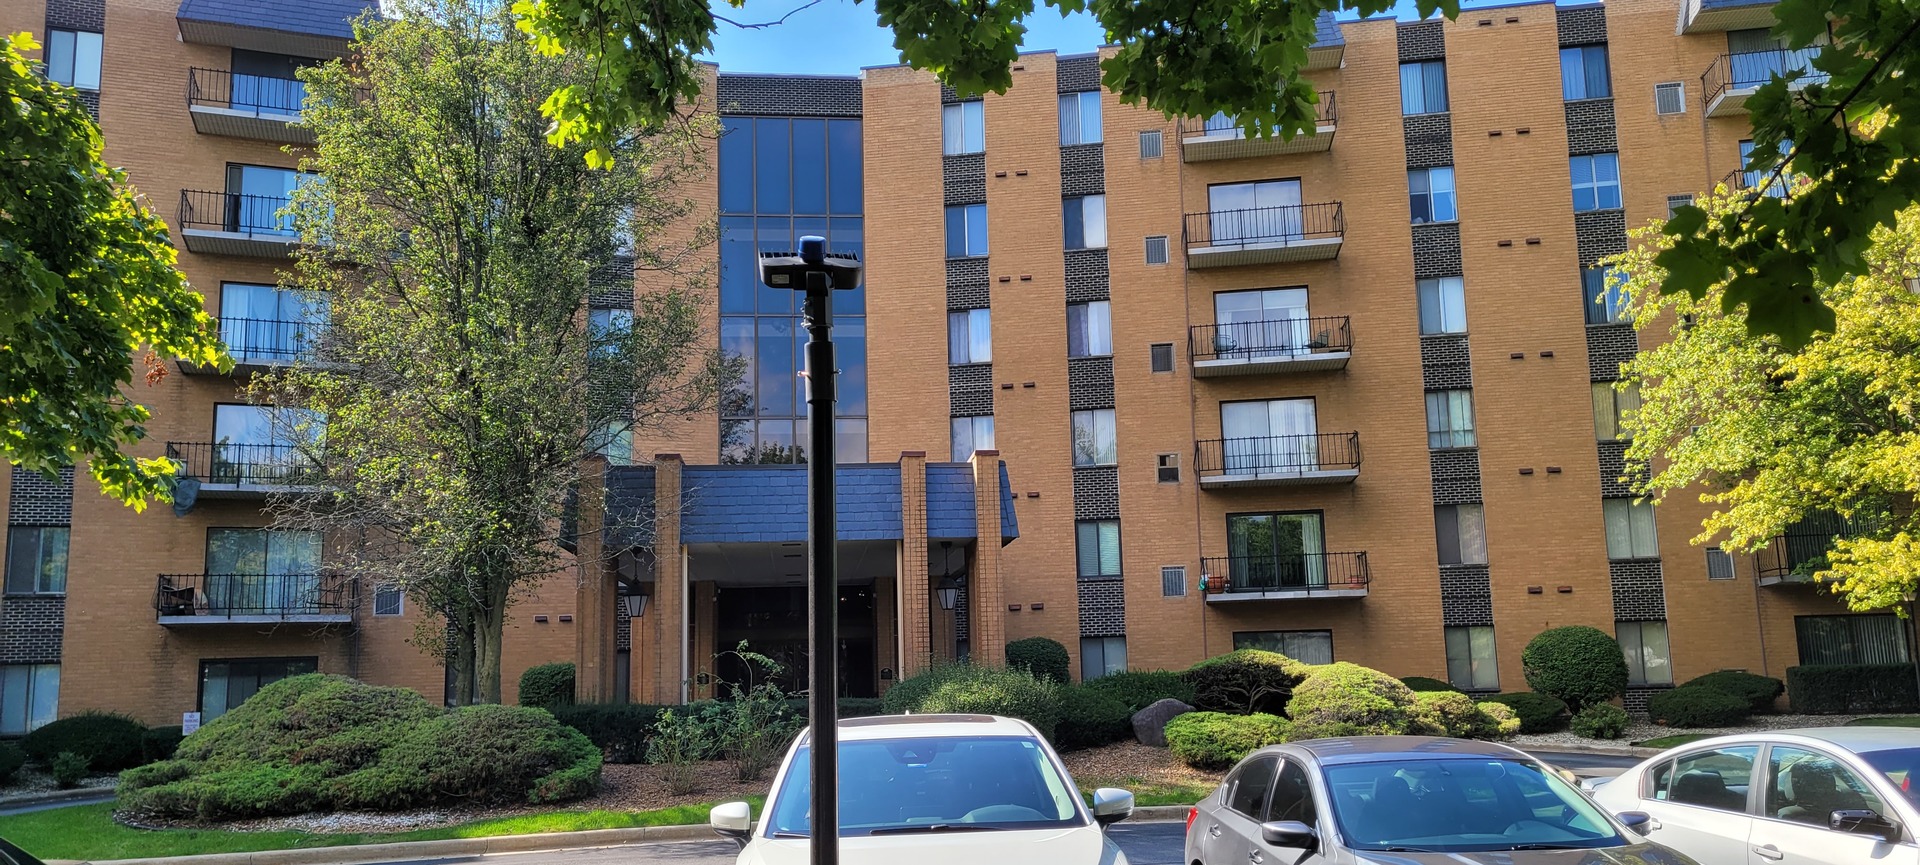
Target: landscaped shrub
(1089,718)
(1832,689)
(1506,724)
(318,742)
(1138,689)
(1423,684)
(1600,721)
(1046,658)
(988,691)
(620,730)
(1216,740)
(1697,706)
(677,744)
(1245,681)
(1538,713)
(547,686)
(159,743)
(753,726)
(68,769)
(1576,664)
(1758,691)
(1451,713)
(907,694)
(11,759)
(1343,699)
(106,741)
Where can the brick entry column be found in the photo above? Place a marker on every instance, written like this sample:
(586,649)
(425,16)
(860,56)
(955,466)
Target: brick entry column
(594,598)
(659,640)
(986,595)
(916,641)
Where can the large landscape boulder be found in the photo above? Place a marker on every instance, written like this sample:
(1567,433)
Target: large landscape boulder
(1150,723)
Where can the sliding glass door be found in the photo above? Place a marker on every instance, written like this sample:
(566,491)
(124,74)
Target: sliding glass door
(1276,551)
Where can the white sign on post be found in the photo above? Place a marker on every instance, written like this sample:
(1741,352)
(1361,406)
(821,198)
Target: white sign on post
(189,722)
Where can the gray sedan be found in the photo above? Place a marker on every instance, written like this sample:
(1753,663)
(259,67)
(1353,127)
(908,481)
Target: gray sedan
(1405,800)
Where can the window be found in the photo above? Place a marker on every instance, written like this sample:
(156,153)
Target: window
(1719,564)
(970,336)
(1310,647)
(1094,438)
(1250,786)
(262,444)
(966,231)
(1277,435)
(1629,529)
(1645,644)
(36,560)
(1161,356)
(1173,581)
(1085,221)
(1258,212)
(1708,779)
(267,83)
(1278,551)
(1264,322)
(1470,658)
(615,442)
(255,196)
(1097,548)
(608,330)
(971,434)
(1450,419)
(226,684)
(1423,87)
(963,128)
(1292,796)
(1807,787)
(1610,403)
(1583,73)
(1443,305)
(1878,638)
(1675,202)
(1089,329)
(1080,118)
(1596,182)
(1151,144)
(1755,173)
(1461,531)
(1157,249)
(73,58)
(388,601)
(1167,469)
(1605,289)
(266,322)
(1431,191)
(1670,98)
(1102,656)
(29,697)
(262,572)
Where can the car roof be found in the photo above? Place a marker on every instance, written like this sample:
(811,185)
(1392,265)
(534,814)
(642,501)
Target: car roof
(1366,749)
(1860,740)
(928,727)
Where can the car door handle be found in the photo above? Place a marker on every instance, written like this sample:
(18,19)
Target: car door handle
(1769,852)
(1255,857)
(1213,830)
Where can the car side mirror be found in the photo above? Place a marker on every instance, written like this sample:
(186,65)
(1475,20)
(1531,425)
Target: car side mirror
(1863,822)
(1638,822)
(732,820)
(1290,833)
(1111,805)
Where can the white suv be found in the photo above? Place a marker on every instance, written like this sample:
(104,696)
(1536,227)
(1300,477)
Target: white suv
(935,789)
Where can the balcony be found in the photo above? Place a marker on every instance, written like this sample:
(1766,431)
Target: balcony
(1298,232)
(313,28)
(246,106)
(1220,137)
(1718,16)
(1732,78)
(244,471)
(1756,183)
(1287,576)
(1261,347)
(1278,461)
(230,223)
(1793,557)
(259,345)
(254,599)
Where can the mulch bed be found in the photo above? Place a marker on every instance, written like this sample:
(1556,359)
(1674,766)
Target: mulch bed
(1131,763)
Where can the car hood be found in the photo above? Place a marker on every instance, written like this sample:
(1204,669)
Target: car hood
(1085,845)
(1636,854)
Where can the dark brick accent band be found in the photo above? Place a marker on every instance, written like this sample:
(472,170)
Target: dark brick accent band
(949,96)
(1639,595)
(31,629)
(788,95)
(1096,493)
(1078,73)
(1590,127)
(37,501)
(962,614)
(1083,170)
(1609,346)
(967,286)
(1636,697)
(1456,476)
(1582,25)
(968,296)
(610,286)
(622,630)
(1613,466)
(1429,139)
(1103,608)
(1436,250)
(1089,383)
(1086,275)
(91,99)
(1600,233)
(964,178)
(970,389)
(77,15)
(1444,364)
(1466,596)
(1423,40)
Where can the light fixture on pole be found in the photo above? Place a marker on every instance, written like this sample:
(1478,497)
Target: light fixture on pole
(948,592)
(632,603)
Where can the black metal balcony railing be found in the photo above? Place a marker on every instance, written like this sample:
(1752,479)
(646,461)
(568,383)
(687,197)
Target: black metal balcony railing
(1264,225)
(269,340)
(251,215)
(1753,68)
(1758,183)
(1290,572)
(1270,340)
(1803,549)
(260,95)
(1292,454)
(1325,114)
(232,595)
(228,463)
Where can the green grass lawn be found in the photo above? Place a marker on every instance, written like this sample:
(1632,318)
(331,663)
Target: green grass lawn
(1673,740)
(88,832)
(1887,721)
(1145,793)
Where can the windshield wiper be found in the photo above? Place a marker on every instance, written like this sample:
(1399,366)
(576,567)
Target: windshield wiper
(1398,849)
(1548,847)
(791,835)
(935,827)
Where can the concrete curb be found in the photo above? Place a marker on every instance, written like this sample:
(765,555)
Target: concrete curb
(55,796)
(1602,750)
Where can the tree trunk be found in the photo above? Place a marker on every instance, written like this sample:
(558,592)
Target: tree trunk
(460,657)
(488,632)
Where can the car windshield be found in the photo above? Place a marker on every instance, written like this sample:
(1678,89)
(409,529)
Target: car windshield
(1901,766)
(1458,805)
(899,786)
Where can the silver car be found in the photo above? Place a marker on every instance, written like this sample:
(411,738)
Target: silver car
(1408,800)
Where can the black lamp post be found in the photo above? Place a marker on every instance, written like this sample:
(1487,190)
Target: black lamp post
(818,273)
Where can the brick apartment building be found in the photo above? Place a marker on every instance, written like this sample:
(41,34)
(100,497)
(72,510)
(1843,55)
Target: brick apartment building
(1370,417)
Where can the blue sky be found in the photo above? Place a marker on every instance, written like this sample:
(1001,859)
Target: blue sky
(836,37)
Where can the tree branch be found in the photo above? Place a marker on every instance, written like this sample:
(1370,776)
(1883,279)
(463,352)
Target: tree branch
(765,24)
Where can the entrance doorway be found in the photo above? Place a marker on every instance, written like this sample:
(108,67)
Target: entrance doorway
(772,621)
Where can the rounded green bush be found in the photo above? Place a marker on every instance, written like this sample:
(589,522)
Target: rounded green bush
(1576,664)
(483,754)
(1343,699)
(1697,706)
(1090,718)
(1138,689)
(1216,740)
(1505,723)
(1423,684)
(1758,691)
(1245,681)
(547,685)
(1600,721)
(990,691)
(68,769)
(159,743)
(11,759)
(1451,713)
(1046,658)
(1538,713)
(907,694)
(108,742)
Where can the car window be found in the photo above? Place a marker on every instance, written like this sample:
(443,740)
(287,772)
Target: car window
(1461,805)
(1292,795)
(1716,779)
(1806,786)
(913,784)
(1247,790)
